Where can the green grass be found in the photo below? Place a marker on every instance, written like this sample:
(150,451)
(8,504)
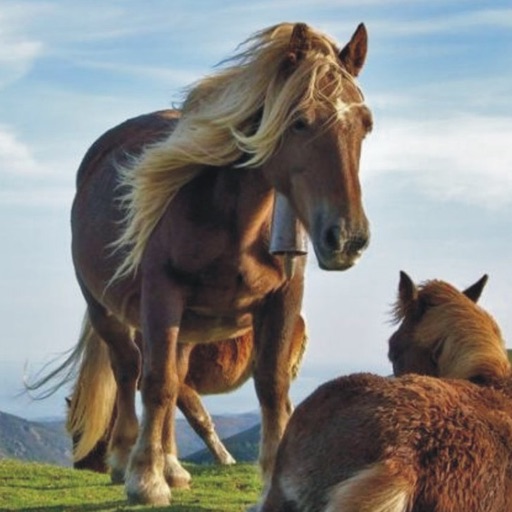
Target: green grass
(34,487)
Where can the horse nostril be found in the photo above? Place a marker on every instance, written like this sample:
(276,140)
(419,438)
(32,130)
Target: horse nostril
(333,238)
(356,244)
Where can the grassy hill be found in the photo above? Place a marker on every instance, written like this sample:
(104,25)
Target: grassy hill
(32,487)
(244,447)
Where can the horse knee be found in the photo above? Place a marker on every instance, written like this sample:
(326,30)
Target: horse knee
(159,390)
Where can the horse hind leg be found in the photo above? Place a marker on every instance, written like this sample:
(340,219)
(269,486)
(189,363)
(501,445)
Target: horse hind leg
(125,362)
(200,420)
(387,486)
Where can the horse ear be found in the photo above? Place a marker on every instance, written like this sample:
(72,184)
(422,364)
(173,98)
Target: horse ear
(475,290)
(299,44)
(352,57)
(407,291)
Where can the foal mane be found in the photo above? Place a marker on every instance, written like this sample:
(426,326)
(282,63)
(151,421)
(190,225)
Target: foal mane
(465,338)
(242,109)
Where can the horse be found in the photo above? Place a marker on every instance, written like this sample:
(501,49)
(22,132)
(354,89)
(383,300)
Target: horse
(417,442)
(212,369)
(452,345)
(175,234)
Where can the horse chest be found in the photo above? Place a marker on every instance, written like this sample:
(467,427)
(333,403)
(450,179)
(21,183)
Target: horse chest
(222,299)
(230,287)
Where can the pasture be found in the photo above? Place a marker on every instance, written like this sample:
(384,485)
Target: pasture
(34,487)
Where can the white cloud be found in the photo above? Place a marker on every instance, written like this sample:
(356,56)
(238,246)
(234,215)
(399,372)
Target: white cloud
(466,158)
(17,54)
(15,156)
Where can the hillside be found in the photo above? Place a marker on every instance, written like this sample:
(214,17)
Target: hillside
(34,441)
(244,447)
(226,425)
(49,442)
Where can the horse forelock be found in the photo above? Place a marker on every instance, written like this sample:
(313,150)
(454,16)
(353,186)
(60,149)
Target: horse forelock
(473,345)
(243,108)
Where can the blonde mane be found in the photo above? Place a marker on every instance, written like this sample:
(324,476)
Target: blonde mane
(473,345)
(243,109)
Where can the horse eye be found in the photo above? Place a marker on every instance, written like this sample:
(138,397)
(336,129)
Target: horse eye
(300,125)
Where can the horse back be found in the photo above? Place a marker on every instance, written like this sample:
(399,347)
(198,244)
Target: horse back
(450,434)
(127,138)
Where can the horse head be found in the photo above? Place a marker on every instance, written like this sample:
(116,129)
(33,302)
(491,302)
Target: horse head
(316,164)
(444,333)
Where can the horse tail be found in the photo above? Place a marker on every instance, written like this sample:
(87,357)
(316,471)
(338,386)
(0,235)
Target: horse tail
(382,487)
(92,403)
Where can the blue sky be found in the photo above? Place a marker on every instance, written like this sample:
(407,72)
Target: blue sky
(436,171)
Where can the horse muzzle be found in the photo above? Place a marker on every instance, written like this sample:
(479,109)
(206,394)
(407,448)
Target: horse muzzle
(336,249)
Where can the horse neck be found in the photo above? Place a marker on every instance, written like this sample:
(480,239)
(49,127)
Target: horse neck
(247,193)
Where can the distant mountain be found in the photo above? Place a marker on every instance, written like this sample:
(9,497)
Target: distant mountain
(48,441)
(244,447)
(35,441)
(225,425)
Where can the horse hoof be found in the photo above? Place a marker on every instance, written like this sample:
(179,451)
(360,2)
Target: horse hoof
(140,499)
(156,493)
(175,474)
(117,477)
(178,482)
(228,460)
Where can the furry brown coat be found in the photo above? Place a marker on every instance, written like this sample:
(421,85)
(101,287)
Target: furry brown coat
(414,443)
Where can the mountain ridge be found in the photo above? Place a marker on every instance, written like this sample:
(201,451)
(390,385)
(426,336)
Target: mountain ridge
(48,441)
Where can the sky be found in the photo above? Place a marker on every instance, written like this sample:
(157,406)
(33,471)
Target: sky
(436,171)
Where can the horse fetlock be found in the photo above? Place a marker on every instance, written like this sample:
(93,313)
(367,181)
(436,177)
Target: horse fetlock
(144,478)
(224,457)
(149,488)
(175,474)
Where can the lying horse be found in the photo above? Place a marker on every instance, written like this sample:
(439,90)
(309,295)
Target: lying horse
(212,369)
(174,237)
(413,443)
(454,338)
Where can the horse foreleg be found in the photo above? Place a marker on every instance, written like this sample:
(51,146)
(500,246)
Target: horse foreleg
(200,420)
(273,329)
(175,474)
(161,309)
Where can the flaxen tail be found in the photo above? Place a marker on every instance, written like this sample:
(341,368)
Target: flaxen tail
(94,394)
(92,403)
(382,487)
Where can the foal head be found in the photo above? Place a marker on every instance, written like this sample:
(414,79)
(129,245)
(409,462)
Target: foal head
(444,333)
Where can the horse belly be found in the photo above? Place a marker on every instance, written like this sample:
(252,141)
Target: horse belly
(197,328)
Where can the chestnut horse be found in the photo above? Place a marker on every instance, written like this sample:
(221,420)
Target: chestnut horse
(213,368)
(172,225)
(414,443)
